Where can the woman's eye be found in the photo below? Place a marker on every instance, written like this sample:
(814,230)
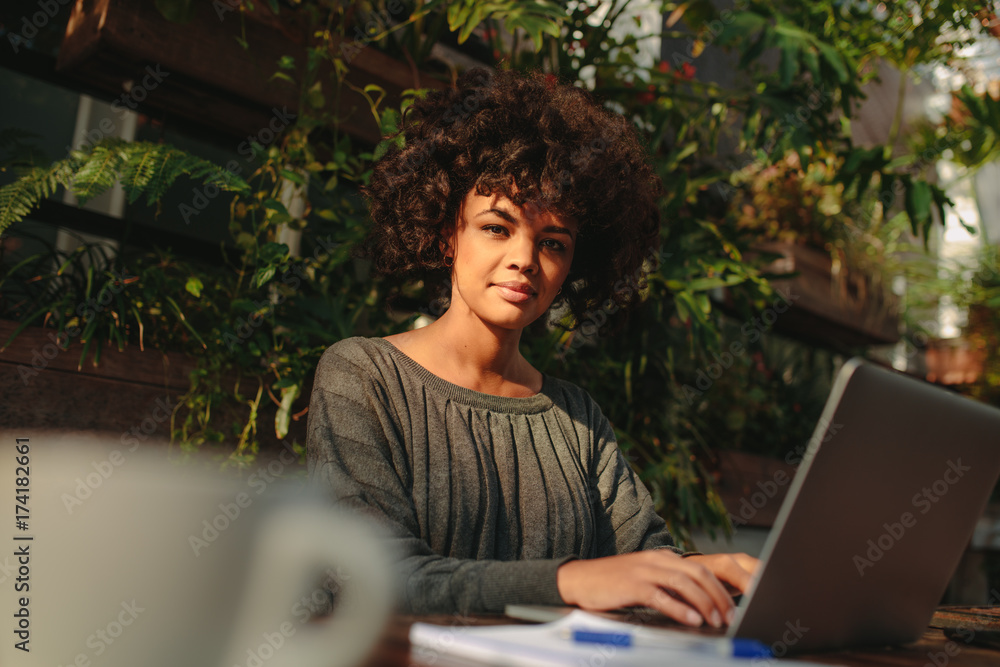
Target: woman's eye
(495,230)
(553,244)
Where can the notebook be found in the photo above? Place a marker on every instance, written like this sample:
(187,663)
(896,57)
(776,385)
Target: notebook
(578,638)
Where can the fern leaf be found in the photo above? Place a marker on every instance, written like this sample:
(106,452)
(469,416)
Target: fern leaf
(210,173)
(19,198)
(163,175)
(99,172)
(16,202)
(140,164)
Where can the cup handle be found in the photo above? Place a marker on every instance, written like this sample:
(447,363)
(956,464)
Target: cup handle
(295,544)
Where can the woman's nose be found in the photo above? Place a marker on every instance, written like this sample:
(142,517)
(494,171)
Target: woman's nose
(523,255)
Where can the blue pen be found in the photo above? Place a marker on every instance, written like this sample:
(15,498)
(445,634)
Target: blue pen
(737,648)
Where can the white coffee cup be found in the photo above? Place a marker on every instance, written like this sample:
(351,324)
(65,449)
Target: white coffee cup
(129,559)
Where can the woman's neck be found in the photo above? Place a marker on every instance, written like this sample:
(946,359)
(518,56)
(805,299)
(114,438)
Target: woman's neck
(467,352)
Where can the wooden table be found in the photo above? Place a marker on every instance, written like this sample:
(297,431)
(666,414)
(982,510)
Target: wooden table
(932,650)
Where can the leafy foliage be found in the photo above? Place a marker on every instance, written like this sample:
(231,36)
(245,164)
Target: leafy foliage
(773,136)
(141,168)
(799,72)
(535,18)
(973,128)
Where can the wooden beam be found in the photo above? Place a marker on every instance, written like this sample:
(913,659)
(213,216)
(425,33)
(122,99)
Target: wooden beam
(839,309)
(129,232)
(36,350)
(206,75)
(41,387)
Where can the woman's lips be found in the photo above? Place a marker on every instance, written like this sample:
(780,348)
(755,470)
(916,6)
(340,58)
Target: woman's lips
(515,292)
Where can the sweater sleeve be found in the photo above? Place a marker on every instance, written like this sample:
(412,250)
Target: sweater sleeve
(626,518)
(358,455)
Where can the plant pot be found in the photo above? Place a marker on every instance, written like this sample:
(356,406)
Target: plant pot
(43,386)
(832,305)
(953,361)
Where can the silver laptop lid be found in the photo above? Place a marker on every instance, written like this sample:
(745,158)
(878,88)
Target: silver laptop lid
(884,502)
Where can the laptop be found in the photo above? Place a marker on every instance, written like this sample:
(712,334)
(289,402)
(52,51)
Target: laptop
(877,517)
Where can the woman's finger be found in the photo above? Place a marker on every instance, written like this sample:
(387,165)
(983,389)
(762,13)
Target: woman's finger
(695,584)
(670,606)
(707,580)
(734,569)
(692,593)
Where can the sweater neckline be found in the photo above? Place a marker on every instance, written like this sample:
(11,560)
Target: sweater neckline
(524,405)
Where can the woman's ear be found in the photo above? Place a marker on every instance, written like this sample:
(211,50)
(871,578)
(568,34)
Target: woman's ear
(447,245)
(447,242)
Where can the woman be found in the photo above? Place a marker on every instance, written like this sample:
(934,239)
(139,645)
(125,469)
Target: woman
(497,483)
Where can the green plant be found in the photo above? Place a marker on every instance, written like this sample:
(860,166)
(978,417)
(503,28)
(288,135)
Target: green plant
(983,327)
(790,122)
(141,168)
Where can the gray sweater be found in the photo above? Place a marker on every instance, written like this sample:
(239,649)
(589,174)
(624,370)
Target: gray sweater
(483,496)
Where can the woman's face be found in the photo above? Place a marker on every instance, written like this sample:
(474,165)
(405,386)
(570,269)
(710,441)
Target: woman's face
(509,262)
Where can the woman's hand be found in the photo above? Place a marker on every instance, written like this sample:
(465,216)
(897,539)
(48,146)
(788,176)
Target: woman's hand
(733,570)
(688,590)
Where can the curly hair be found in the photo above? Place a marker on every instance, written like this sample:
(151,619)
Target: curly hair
(533,140)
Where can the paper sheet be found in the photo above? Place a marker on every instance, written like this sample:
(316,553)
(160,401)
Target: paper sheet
(549,644)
